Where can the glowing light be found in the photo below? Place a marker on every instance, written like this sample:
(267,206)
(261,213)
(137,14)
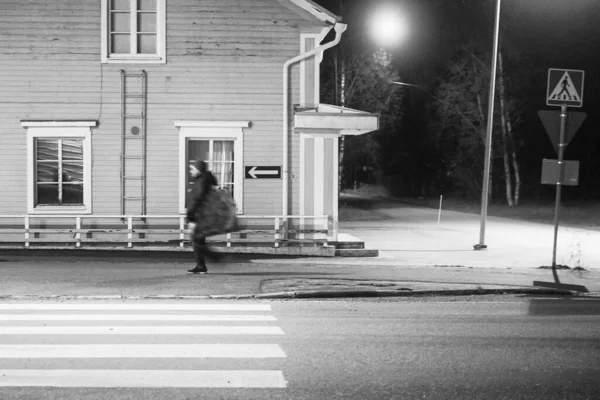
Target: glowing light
(388,27)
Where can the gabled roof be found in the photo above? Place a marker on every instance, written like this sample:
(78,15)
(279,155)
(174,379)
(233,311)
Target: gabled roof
(313,10)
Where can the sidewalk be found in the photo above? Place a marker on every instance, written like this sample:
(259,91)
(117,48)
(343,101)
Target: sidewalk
(164,275)
(412,236)
(417,257)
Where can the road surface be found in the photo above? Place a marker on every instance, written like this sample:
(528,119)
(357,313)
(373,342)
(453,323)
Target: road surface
(432,348)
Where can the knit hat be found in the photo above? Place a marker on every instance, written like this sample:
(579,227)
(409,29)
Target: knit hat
(200,165)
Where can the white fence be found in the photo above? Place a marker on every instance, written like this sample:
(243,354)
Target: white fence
(136,229)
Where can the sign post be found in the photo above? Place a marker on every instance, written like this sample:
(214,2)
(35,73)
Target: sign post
(561,144)
(565,89)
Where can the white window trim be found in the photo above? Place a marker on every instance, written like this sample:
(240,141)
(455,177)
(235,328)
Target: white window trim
(58,129)
(161,42)
(215,130)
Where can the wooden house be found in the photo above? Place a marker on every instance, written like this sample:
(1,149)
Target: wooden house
(106,102)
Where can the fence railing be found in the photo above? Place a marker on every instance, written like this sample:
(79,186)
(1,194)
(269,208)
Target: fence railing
(132,229)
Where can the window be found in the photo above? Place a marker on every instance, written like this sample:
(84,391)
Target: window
(133,31)
(220,144)
(219,155)
(59,166)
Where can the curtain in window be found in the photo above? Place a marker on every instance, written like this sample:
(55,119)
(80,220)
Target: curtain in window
(59,172)
(223,164)
(220,158)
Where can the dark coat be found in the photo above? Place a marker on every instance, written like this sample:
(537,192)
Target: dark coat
(203,185)
(213,211)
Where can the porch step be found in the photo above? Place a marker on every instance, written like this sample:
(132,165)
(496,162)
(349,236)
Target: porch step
(351,246)
(348,245)
(357,253)
(347,241)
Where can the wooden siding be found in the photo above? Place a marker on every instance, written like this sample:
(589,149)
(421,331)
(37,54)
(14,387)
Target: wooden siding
(224,62)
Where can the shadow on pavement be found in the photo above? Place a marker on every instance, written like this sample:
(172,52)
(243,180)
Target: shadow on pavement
(565,306)
(270,273)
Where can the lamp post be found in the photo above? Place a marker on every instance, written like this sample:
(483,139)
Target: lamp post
(488,138)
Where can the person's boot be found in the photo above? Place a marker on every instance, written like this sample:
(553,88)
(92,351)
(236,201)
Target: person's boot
(199,269)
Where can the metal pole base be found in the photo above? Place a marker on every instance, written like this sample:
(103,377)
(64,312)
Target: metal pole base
(479,246)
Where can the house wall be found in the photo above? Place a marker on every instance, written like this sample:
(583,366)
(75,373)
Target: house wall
(224,62)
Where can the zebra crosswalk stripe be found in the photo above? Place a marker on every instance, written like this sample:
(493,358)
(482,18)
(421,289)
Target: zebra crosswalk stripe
(143,378)
(140,330)
(29,351)
(73,320)
(135,307)
(130,317)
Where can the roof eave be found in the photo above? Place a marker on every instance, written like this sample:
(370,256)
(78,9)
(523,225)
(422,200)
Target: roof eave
(319,12)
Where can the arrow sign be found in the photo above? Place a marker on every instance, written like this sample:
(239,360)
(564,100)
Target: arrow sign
(551,121)
(262,172)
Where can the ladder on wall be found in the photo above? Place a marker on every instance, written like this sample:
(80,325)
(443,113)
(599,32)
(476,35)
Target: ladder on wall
(133,142)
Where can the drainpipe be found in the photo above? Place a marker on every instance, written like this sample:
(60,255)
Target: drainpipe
(339,29)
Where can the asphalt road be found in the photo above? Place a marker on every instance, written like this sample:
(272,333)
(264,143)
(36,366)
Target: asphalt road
(433,348)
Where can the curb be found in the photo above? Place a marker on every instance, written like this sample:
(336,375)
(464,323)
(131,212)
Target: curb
(306,294)
(402,293)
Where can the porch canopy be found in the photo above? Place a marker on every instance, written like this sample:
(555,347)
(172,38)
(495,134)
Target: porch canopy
(326,118)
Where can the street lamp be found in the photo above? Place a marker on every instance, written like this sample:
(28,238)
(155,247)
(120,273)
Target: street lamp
(406,84)
(488,138)
(388,27)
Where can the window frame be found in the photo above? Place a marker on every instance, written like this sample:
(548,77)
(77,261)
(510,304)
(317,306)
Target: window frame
(161,28)
(213,130)
(57,130)
(213,161)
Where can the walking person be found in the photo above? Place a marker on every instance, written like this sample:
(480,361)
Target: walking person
(204,181)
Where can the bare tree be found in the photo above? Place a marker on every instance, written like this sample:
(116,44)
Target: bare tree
(365,84)
(508,144)
(462,101)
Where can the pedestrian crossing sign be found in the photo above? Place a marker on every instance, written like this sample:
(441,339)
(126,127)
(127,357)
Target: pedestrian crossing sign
(565,86)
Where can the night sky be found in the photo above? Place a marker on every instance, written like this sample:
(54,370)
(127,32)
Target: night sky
(550,33)
(555,33)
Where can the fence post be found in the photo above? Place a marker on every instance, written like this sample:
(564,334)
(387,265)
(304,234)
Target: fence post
(78,234)
(27,231)
(181,231)
(130,233)
(276,231)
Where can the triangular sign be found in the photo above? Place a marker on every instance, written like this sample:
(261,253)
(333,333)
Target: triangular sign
(565,90)
(551,121)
